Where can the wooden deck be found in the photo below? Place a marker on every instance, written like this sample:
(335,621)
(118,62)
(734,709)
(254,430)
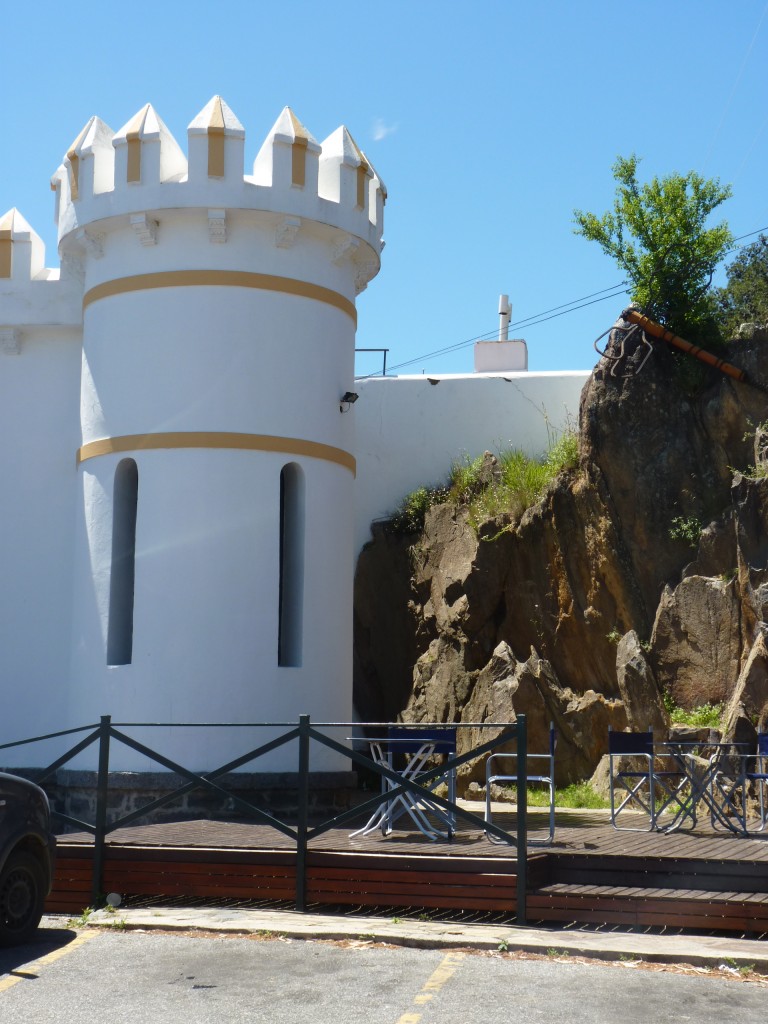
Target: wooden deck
(592,874)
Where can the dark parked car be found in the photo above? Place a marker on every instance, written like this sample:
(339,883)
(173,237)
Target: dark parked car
(27,851)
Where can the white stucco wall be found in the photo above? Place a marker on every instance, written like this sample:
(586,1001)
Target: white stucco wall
(213,360)
(39,432)
(205,625)
(410,431)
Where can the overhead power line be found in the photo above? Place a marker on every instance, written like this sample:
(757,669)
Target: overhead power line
(547,314)
(529,322)
(749,235)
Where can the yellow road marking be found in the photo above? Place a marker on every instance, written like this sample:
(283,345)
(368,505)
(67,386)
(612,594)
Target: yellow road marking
(442,973)
(30,970)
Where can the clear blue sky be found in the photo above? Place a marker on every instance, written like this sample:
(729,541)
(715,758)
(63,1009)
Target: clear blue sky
(489,123)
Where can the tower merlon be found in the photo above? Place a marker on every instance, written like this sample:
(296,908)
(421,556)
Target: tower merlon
(288,158)
(145,151)
(90,161)
(22,252)
(377,198)
(344,171)
(216,144)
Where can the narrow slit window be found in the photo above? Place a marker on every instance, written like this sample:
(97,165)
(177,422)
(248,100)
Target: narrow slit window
(121,583)
(289,642)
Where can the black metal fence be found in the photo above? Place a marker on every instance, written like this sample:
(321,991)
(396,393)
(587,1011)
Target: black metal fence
(304,733)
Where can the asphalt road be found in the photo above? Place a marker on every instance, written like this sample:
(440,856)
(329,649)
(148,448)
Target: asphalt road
(119,977)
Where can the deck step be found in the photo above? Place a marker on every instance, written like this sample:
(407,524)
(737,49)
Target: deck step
(643,906)
(710,874)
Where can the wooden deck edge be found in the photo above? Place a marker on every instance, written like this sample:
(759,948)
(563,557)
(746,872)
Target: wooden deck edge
(196,854)
(718,898)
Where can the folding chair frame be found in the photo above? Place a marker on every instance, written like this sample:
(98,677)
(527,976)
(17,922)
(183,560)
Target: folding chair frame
(725,788)
(548,779)
(420,745)
(760,777)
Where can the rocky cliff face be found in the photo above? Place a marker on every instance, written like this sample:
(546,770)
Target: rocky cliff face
(660,538)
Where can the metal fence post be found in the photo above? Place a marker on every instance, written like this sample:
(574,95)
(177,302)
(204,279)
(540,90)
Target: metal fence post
(102,790)
(303,814)
(522,819)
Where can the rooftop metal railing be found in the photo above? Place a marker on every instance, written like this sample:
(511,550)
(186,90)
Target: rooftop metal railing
(384,351)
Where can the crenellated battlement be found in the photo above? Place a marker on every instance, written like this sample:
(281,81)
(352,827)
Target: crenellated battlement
(133,174)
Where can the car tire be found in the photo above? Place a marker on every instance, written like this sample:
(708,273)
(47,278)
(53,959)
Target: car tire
(22,895)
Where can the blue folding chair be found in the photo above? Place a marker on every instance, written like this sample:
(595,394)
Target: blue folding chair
(643,781)
(544,776)
(418,746)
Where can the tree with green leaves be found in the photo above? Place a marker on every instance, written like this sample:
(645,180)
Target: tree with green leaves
(656,233)
(745,298)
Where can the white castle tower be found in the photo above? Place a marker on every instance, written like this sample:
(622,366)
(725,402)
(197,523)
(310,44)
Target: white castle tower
(213,498)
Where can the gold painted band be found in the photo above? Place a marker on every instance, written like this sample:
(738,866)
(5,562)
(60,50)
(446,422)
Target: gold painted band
(220,278)
(220,439)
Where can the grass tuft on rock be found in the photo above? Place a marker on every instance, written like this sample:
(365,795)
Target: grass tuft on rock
(705,716)
(507,488)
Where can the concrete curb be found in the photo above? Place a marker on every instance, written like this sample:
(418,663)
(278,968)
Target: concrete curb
(697,950)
